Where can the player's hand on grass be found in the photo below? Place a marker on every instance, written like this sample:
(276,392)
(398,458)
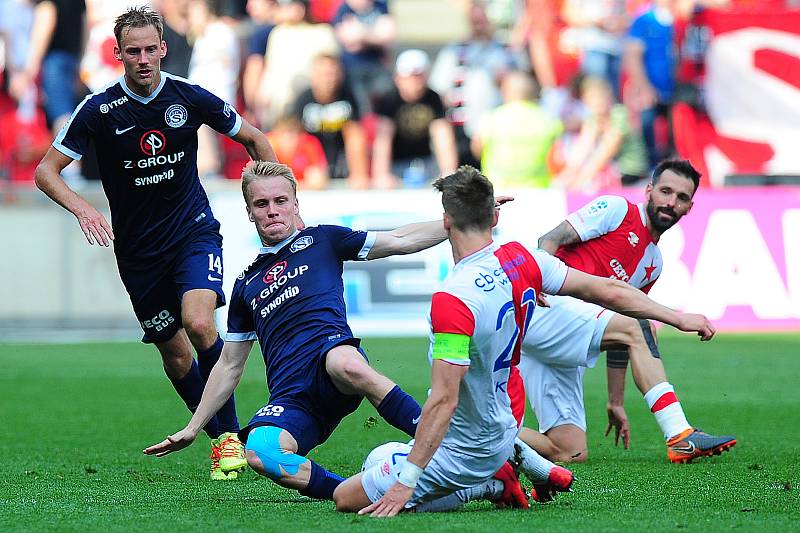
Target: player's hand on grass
(392,502)
(618,419)
(173,443)
(94,225)
(698,323)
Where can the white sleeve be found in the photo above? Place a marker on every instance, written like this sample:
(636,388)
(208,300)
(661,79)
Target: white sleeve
(553,269)
(598,217)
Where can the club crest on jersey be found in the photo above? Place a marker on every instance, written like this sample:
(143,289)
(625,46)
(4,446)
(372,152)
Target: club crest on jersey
(274,272)
(633,238)
(302,243)
(152,142)
(176,115)
(596,207)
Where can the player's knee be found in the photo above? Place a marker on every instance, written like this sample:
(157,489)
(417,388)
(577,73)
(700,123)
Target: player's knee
(266,456)
(631,332)
(177,363)
(199,327)
(576,456)
(353,370)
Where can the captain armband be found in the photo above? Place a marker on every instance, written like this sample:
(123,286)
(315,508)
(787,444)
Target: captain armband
(451,347)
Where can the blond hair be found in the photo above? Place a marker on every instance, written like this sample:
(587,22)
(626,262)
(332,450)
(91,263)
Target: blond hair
(266,169)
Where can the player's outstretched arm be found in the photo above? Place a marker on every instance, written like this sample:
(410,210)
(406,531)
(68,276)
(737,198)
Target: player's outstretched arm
(433,423)
(48,179)
(561,235)
(628,300)
(254,142)
(407,239)
(221,382)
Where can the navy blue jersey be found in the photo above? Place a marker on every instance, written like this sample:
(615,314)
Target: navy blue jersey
(291,299)
(147,153)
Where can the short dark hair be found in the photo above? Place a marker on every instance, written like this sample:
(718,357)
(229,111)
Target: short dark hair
(468,198)
(682,167)
(138,17)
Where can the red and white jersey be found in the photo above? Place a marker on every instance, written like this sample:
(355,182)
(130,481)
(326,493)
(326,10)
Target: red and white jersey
(615,242)
(476,319)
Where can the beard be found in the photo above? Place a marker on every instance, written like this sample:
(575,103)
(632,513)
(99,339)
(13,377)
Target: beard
(659,224)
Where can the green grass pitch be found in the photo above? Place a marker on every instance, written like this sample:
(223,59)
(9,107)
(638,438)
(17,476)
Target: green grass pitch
(76,417)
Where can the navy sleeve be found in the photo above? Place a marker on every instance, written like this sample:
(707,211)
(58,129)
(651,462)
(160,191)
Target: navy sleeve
(218,113)
(240,317)
(346,243)
(73,139)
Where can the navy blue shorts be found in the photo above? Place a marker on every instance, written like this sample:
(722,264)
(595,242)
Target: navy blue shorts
(313,412)
(156,288)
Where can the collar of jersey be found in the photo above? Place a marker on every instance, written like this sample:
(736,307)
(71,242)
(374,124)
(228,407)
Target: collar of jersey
(642,213)
(142,99)
(474,257)
(276,247)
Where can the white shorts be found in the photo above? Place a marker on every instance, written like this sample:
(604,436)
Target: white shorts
(568,333)
(447,472)
(555,393)
(562,340)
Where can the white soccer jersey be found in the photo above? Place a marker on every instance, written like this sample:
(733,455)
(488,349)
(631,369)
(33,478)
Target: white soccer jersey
(615,242)
(485,302)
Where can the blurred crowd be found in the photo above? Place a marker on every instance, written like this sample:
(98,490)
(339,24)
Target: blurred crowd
(575,94)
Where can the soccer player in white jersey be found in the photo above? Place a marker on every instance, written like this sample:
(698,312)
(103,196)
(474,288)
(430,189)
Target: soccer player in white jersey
(467,429)
(613,238)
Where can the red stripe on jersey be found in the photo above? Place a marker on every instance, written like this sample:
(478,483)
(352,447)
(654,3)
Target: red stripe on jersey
(451,315)
(516,392)
(524,273)
(663,401)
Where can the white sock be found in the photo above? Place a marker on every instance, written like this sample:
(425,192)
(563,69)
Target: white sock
(536,467)
(488,490)
(667,409)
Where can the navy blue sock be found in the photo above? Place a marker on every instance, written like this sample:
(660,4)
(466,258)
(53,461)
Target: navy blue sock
(400,410)
(190,389)
(226,416)
(321,484)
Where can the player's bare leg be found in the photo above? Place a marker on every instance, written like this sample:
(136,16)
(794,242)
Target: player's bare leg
(284,475)
(197,315)
(684,442)
(563,444)
(350,496)
(648,370)
(176,355)
(351,374)
(272,452)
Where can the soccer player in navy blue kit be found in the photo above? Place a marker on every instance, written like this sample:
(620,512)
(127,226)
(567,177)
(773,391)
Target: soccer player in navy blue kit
(291,300)
(166,239)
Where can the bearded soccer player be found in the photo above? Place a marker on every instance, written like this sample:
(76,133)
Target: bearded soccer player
(467,428)
(613,238)
(166,239)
